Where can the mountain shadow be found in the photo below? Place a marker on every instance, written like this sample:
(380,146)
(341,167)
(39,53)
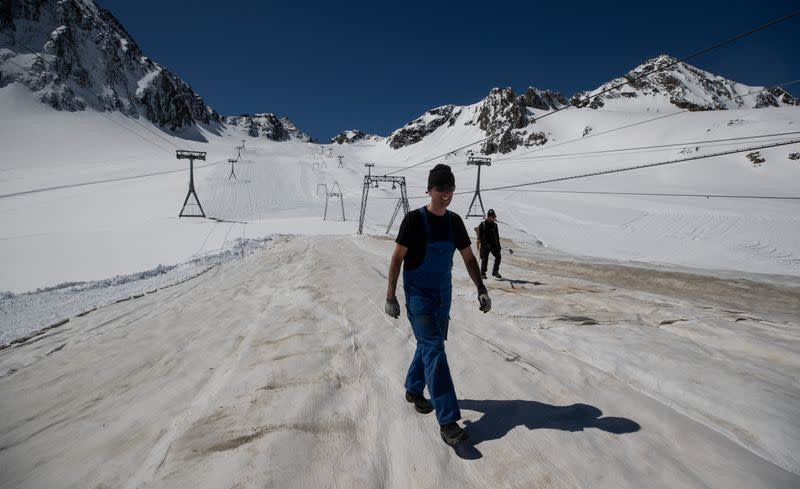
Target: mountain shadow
(500,417)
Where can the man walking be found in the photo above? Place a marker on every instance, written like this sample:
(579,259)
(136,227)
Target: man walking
(425,245)
(489,242)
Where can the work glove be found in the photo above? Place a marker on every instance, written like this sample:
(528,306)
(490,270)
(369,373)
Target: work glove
(484,300)
(392,307)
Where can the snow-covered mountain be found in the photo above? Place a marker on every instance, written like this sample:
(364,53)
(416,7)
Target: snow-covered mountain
(683,86)
(502,115)
(508,119)
(85,58)
(355,135)
(267,125)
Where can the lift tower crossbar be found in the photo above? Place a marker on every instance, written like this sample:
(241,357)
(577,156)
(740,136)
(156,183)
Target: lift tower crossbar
(478,161)
(191,156)
(402,202)
(330,195)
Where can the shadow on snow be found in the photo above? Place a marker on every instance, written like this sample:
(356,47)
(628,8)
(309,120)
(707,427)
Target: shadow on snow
(500,417)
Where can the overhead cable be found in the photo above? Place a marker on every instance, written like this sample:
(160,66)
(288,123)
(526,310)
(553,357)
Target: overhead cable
(698,53)
(638,167)
(646,121)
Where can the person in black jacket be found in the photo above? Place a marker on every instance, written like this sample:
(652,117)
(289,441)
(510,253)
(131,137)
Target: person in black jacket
(489,242)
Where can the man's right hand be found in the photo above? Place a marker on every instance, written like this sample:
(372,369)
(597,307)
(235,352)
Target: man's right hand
(392,307)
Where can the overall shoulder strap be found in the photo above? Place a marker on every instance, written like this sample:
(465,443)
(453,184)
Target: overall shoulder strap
(449,225)
(425,222)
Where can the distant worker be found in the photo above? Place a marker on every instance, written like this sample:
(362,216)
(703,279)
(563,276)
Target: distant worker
(489,242)
(425,245)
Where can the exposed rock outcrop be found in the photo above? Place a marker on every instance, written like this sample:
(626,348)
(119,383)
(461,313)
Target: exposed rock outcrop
(267,125)
(85,58)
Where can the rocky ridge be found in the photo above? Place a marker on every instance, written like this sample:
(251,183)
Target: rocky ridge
(507,119)
(503,116)
(267,125)
(683,86)
(85,58)
(354,135)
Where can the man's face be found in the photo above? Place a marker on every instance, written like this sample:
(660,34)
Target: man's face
(490,218)
(442,195)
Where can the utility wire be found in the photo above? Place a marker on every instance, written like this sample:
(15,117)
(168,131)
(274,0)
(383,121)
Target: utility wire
(670,65)
(15,64)
(656,194)
(656,146)
(17,41)
(638,167)
(703,51)
(101,113)
(439,156)
(96,182)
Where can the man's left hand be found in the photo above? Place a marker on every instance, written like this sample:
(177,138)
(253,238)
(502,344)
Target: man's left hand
(392,307)
(484,300)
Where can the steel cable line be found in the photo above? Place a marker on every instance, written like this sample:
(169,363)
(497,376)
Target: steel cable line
(441,155)
(15,64)
(100,113)
(698,53)
(693,143)
(637,167)
(654,194)
(670,65)
(703,143)
(646,121)
(108,180)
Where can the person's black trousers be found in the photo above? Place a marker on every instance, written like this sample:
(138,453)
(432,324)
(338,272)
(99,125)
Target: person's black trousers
(485,250)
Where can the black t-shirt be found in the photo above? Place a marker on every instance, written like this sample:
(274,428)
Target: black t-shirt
(412,235)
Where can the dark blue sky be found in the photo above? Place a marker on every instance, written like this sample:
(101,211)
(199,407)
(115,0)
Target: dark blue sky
(331,66)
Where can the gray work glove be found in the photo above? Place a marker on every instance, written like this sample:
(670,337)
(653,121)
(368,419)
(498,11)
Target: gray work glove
(392,307)
(484,300)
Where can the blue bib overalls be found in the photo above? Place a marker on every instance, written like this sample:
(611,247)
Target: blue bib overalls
(428,292)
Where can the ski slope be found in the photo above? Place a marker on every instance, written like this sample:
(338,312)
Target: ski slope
(647,337)
(281,370)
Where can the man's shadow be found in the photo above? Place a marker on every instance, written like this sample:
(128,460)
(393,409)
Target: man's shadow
(500,417)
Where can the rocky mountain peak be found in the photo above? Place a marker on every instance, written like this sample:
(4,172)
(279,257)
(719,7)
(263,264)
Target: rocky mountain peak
(420,127)
(683,86)
(354,135)
(267,125)
(502,110)
(503,116)
(543,99)
(85,58)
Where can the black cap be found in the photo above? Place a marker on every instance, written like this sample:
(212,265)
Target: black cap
(441,175)
(491,213)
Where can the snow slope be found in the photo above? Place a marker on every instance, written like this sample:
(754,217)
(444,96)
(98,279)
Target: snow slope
(647,337)
(281,370)
(88,196)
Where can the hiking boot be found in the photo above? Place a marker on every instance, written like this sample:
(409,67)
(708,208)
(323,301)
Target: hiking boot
(496,275)
(453,433)
(421,404)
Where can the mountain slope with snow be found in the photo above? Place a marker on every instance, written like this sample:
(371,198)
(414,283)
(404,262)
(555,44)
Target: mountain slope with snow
(267,125)
(681,85)
(508,120)
(84,58)
(645,334)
